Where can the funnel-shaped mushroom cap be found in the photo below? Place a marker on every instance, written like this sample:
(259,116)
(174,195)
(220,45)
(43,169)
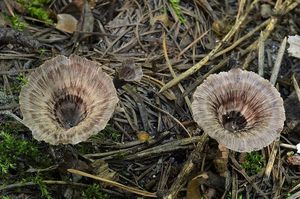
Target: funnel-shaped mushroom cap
(67,100)
(239,109)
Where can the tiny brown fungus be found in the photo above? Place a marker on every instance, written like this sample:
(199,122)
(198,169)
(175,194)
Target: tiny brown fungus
(67,100)
(239,109)
(128,72)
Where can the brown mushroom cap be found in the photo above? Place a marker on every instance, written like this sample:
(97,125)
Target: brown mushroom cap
(239,109)
(67,100)
(129,71)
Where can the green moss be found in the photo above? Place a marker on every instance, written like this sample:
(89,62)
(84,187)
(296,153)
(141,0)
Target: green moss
(288,194)
(17,22)
(22,79)
(229,195)
(39,13)
(93,192)
(42,51)
(85,148)
(43,187)
(177,10)
(112,133)
(109,133)
(253,163)
(17,84)
(39,3)
(10,126)
(15,150)
(12,149)
(5,197)
(35,8)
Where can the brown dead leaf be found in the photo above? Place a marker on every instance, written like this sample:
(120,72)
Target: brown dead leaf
(193,191)
(221,27)
(212,181)
(102,170)
(66,23)
(164,19)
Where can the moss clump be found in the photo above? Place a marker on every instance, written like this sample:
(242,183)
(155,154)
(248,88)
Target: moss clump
(229,196)
(35,8)
(5,197)
(22,79)
(39,13)
(109,133)
(43,187)
(177,10)
(17,22)
(254,163)
(17,84)
(93,192)
(12,150)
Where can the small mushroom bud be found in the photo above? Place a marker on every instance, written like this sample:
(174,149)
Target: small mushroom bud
(128,72)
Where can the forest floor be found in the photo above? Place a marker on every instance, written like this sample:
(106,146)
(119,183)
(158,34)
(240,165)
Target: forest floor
(151,146)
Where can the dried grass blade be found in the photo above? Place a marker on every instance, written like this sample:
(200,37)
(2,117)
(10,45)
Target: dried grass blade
(187,100)
(296,86)
(271,161)
(261,55)
(278,61)
(116,184)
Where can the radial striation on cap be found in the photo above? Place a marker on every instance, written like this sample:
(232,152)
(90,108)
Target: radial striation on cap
(67,100)
(239,109)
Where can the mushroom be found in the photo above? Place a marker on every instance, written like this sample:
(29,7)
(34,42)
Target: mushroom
(128,72)
(67,100)
(239,109)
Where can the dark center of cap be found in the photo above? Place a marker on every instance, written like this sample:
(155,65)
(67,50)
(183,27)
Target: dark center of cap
(69,110)
(234,121)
